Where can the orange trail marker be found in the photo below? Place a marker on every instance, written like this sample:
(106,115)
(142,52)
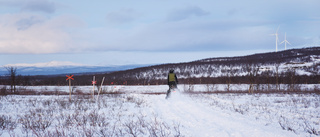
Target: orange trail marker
(69,78)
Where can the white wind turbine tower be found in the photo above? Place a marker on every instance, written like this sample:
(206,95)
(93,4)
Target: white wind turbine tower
(285,41)
(276,34)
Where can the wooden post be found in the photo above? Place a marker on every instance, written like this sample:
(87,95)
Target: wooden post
(93,83)
(100,88)
(69,78)
(69,89)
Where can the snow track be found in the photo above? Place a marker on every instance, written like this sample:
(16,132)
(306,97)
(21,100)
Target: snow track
(198,119)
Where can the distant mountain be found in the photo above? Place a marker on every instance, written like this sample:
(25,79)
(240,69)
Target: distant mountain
(56,68)
(46,64)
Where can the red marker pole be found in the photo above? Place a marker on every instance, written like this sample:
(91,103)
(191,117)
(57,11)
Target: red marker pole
(93,83)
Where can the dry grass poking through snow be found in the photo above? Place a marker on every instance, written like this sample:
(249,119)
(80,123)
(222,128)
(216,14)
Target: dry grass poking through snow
(299,113)
(120,114)
(113,115)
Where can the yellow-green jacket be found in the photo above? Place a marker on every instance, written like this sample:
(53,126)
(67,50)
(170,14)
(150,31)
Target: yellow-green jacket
(172,78)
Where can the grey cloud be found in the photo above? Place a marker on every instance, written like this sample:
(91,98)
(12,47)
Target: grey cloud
(185,13)
(33,5)
(121,16)
(42,6)
(25,23)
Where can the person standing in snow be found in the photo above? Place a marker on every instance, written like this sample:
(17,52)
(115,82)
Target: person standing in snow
(172,81)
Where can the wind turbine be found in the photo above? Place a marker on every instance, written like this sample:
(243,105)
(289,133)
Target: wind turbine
(285,41)
(276,34)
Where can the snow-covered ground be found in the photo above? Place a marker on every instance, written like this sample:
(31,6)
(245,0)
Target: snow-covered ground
(183,114)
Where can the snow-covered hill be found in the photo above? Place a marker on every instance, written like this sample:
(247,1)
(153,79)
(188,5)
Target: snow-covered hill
(304,61)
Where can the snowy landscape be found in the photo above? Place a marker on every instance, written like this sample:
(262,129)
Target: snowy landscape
(102,68)
(254,95)
(193,110)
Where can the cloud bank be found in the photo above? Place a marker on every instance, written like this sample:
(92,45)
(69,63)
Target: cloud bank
(42,26)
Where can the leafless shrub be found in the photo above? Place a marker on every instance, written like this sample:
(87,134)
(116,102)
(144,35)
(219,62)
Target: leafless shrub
(7,123)
(60,117)
(211,87)
(109,131)
(46,103)
(33,102)
(129,98)
(316,104)
(158,129)
(96,119)
(310,129)
(68,121)
(63,104)
(188,87)
(4,90)
(286,124)
(88,131)
(58,132)
(35,122)
(242,109)
(177,130)
(137,101)
(133,128)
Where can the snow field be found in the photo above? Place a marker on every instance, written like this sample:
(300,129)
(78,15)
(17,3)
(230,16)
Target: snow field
(297,113)
(136,114)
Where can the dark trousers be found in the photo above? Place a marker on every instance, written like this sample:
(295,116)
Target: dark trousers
(172,84)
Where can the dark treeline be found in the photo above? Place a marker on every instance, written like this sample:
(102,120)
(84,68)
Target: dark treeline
(86,80)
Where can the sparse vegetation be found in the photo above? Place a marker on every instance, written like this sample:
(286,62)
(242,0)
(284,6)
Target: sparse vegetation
(293,112)
(53,115)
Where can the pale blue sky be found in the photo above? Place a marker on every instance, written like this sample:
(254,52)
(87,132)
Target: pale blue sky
(105,32)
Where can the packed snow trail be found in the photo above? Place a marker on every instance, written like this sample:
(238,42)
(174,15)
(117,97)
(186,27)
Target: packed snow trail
(197,119)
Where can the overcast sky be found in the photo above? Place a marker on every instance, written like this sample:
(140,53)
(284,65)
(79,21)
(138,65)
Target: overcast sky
(118,32)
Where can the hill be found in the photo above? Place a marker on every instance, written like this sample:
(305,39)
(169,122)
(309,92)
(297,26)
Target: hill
(301,62)
(289,66)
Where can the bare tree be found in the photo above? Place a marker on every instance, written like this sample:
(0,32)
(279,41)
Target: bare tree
(253,72)
(230,73)
(268,74)
(291,75)
(12,73)
(277,65)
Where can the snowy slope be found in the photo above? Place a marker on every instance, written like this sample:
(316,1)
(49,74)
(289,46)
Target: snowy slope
(300,61)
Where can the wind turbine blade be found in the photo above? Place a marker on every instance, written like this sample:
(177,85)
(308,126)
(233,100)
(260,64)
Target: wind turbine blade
(282,42)
(288,42)
(278,29)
